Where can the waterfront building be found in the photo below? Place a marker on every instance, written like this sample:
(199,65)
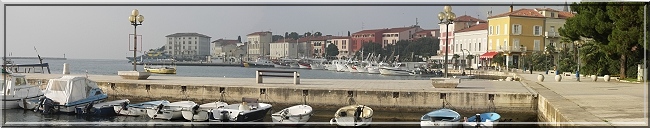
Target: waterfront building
(187,45)
(284,48)
(318,45)
(392,35)
(343,44)
(432,33)
(520,32)
(223,47)
(471,41)
(459,23)
(258,44)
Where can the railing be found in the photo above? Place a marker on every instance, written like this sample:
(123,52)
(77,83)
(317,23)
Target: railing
(512,49)
(551,34)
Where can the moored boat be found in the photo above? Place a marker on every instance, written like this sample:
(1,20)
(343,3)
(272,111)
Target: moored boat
(294,115)
(169,111)
(202,112)
(160,69)
(137,109)
(101,109)
(17,92)
(440,118)
(353,115)
(250,111)
(486,120)
(69,92)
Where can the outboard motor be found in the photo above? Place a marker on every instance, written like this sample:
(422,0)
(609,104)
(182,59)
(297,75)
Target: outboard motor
(195,109)
(225,116)
(89,108)
(124,105)
(48,106)
(160,107)
(357,113)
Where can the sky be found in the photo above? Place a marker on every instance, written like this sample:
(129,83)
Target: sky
(101,32)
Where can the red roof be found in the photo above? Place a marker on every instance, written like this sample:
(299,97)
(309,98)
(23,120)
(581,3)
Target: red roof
(259,33)
(372,31)
(340,37)
(480,26)
(488,55)
(396,30)
(521,13)
(565,15)
(466,18)
(427,31)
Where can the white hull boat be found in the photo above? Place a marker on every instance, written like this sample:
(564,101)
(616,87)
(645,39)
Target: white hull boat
(316,66)
(244,112)
(360,69)
(391,71)
(137,109)
(353,115)
(446,118)
(69,92)
(202,112)
(294,65)
(487,120)
(101,109)
(17,92)
(170,111)
(373,70)
(294,115)
(331,67)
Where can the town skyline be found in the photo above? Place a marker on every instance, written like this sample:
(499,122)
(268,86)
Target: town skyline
(83,35)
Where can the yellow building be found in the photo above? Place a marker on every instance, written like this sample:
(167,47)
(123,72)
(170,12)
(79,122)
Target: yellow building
(520,32)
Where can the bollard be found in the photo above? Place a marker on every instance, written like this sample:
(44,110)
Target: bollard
(66,70)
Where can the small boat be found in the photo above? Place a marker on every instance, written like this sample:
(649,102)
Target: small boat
(101,109)
(67,93)
(399,70)
(294,115)
(170,111)
(17,92)
(137,109)
(160,69)
(250,111)
(353,115)
(487,120)
(465,77)
(440,118)
(202,112)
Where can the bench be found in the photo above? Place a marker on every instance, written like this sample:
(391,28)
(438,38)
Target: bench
(276,73)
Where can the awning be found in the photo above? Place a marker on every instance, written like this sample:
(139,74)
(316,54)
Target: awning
(488,55)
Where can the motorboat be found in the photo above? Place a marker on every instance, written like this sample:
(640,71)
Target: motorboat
(294,115)
(137,109)
(372,68)
(101,109)
(247,111)
(16,92)
(352,115)
(160,69)
(67,93)
(486,120)
(170,111)
(398,70)
(202,112)
(440,118)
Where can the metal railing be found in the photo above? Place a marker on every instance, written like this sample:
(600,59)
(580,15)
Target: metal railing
(551,34)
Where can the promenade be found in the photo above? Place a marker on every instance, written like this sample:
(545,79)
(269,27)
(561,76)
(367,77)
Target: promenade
(611,103)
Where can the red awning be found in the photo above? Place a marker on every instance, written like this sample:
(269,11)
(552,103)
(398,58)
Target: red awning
(488,55)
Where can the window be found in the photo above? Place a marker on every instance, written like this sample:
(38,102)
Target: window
(490,30)
(515,42)
(497,31)
(537,43)
(552,29)
(170,47)
(552,14)
(170,42)
(516,29)
(505,29)
(195,47)
(479,47)
(498,44)
(344,42)
(537,30)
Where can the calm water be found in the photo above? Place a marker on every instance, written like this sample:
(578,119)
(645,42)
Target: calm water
(110,67)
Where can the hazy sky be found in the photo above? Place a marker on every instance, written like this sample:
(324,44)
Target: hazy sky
(101,32)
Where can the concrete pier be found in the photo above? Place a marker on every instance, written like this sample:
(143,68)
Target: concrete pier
(470,95)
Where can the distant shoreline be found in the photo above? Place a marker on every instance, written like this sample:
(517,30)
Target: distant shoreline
(48,58)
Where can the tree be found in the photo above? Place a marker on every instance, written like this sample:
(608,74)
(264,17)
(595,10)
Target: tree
(374,48)
(294,35)
(286,34)
(615,27)
(318,34)
(239,39)
(307,34)
(276,38)
(331,50)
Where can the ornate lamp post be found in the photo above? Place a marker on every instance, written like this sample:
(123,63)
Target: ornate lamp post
(135,19)
(446,17)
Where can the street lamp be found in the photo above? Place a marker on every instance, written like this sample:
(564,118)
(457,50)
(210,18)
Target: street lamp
(135,19)
(446,17)
(546,63)
(464,58)
(578,71)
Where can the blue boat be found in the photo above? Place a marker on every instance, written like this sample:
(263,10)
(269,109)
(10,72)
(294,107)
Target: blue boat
(137,109)
(67,93)
(440,118)
(100,109)
(488,119)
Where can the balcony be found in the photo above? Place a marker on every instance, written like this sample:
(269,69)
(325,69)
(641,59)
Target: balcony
(512,49)
(551,34)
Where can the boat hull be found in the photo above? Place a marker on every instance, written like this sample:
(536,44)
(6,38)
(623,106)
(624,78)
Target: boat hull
(438,124)
(394,72)
(202,115)
(129,111)
(164,114)
(29,103)
(161,71)
(373,70)
(349,121)
(294,115)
